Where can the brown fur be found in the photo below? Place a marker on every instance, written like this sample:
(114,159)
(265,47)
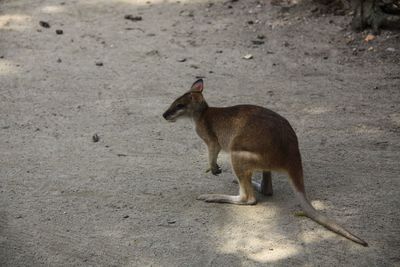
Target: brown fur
(257,139)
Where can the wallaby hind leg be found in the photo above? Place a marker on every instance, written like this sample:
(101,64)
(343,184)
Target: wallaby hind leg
(246,193)
(265,185)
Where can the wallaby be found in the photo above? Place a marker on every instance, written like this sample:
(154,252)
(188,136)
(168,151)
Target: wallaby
(257,139)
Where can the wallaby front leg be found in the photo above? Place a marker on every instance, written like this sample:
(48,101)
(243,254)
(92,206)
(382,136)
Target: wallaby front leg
(213,151)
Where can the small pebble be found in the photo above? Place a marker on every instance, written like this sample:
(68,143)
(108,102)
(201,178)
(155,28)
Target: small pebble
(257,42)
(133,18)
(99,63)
(59,32)
(95,138)
(248,56)
(44,24)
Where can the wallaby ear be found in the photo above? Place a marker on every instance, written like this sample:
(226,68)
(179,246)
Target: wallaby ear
(197,86)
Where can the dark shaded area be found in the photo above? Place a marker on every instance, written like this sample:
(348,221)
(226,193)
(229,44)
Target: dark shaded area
(376,14)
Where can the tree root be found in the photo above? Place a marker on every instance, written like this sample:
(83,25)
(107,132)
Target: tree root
(375,14)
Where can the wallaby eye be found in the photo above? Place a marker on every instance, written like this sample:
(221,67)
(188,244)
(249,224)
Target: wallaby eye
(180,106)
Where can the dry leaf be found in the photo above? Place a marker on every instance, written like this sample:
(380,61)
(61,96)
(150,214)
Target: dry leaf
(369,38)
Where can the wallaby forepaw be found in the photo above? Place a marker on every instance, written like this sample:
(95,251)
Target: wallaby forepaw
(215,170)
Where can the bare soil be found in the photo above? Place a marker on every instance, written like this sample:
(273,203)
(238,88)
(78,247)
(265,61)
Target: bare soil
(129,199)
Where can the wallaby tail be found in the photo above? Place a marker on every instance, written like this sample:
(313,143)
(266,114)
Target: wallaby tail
(323,220)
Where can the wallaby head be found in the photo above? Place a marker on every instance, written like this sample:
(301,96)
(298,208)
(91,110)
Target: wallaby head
(189,104)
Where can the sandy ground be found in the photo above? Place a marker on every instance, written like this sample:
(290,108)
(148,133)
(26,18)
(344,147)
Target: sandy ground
(130,199)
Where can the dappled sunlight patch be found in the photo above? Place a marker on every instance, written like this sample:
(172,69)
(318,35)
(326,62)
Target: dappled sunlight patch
(258,249)
(260,240)
(316,110)
(316,235)
(318,204)
(14,21)
(7,67)
(365,129)
(52,9)
(271,255)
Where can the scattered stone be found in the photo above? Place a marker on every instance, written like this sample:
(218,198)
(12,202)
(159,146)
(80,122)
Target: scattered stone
(194,66)
(248,56)
(153,53)
(315,9)
(59,60)
(325,57)
(286,44)
(133,18)
(122,155)
(151,34)
(99,63)
(261,36)
(44,24)
(187,13)
(257,42)
(126,216)
(59,32)
(219,51)
(371,48)
(95,138)
(171,221)
(182,59)
(390,49)
(250,22)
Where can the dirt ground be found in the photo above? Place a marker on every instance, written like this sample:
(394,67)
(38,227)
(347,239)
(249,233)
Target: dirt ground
(130,199)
